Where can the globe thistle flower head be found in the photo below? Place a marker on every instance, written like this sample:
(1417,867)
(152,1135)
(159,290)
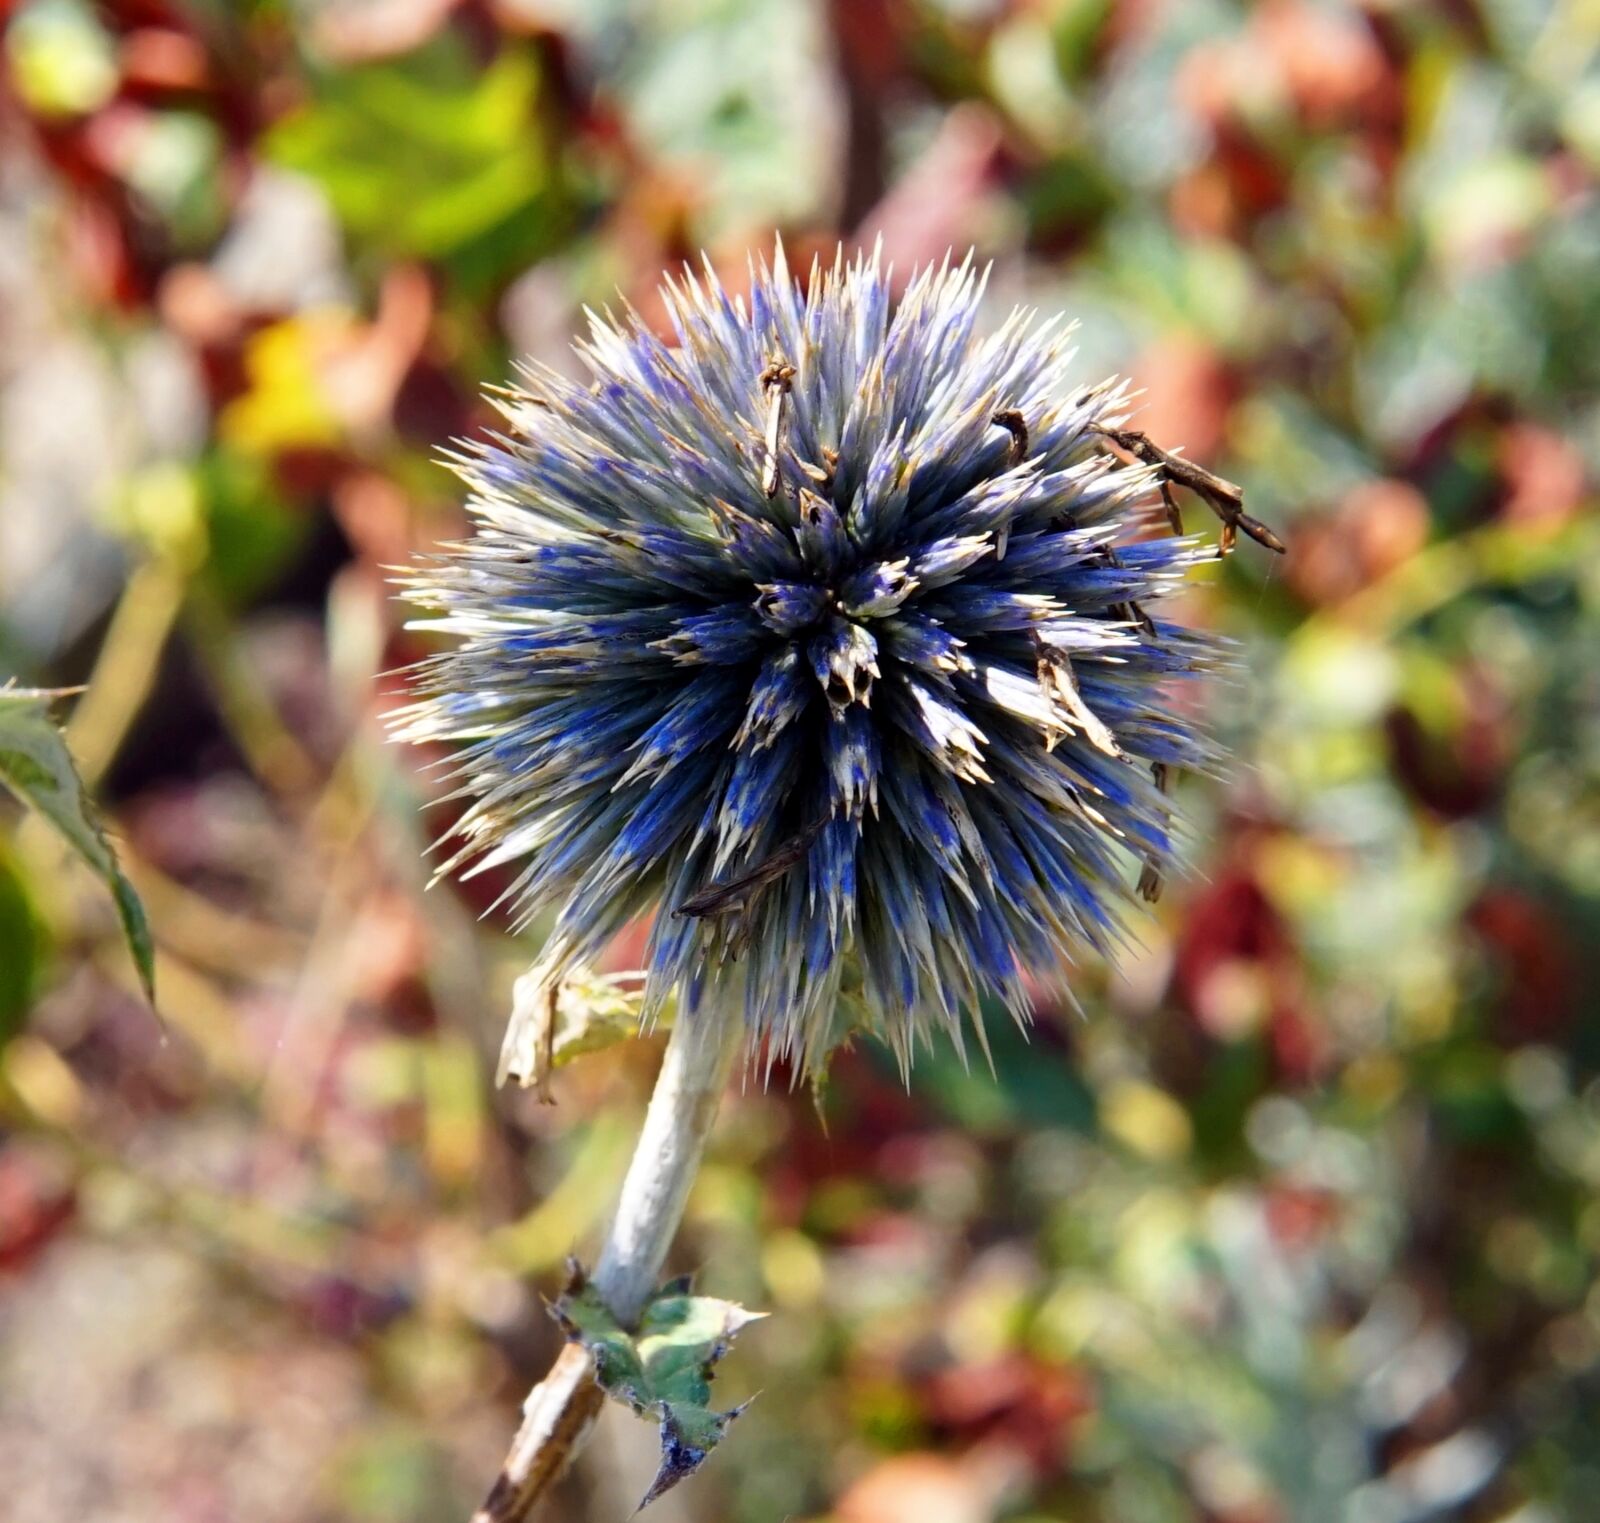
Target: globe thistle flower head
(823,632)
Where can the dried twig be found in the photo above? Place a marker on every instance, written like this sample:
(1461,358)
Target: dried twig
(1224,498)
(1017,426)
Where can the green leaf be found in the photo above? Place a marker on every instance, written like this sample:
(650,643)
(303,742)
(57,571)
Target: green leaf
(36,766)
(22,945)
(428,155)
(663,1367)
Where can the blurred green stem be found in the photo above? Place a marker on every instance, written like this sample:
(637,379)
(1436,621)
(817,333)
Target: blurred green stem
(126,666)
(270,749)
(1495,554)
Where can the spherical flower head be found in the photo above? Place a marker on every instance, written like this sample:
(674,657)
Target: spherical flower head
(825,633)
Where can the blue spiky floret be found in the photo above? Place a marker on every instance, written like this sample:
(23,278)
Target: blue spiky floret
(874,720)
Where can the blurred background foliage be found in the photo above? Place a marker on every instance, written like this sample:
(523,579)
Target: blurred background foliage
(1297,1221)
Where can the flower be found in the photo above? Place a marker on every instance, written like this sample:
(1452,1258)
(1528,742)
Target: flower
(825,633)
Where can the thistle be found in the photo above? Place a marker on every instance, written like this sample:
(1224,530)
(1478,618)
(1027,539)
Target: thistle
(822,634)
(828,634)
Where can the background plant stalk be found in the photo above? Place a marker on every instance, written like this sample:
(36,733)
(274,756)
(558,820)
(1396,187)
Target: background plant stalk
(560,1411)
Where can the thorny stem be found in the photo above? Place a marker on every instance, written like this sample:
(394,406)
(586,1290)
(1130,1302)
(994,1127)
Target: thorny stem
(561,1409)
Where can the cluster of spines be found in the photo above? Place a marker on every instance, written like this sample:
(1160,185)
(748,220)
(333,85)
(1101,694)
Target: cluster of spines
(824,632)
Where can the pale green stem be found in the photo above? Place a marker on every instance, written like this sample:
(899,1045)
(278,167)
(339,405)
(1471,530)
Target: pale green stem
(561,1409)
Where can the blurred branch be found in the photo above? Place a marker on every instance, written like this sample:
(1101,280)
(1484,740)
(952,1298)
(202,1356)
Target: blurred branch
(125,668)
(1493,553)
(271,750)
(323,993)
(538,1242)
(37,1086)
(220,940)
(865,48)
